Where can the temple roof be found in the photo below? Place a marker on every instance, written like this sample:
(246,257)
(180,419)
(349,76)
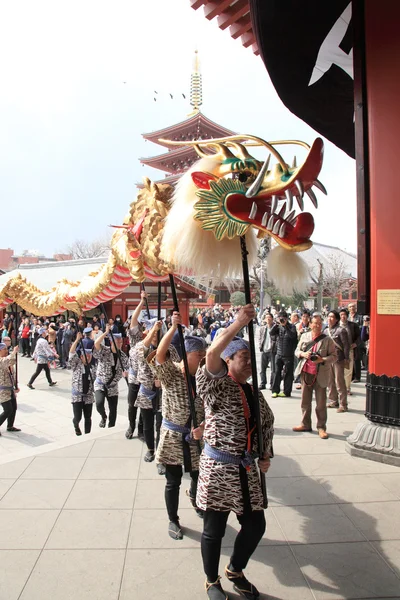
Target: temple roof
(234,14)
(176,161)
(196,127)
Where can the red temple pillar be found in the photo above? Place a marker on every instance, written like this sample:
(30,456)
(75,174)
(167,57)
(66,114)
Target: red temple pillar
(379,437)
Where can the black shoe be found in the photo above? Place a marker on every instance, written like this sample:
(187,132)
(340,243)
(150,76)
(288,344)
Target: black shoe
(140,436)
(53,383)
(262,387)
(103,421)
(149,456)
(30,386)
(241,585)
(214,590)
(129,433)
(355,381)
(78,431)
(161,469)
(174,530)
(13,429)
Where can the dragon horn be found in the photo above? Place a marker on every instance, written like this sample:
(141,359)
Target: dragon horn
(253,189)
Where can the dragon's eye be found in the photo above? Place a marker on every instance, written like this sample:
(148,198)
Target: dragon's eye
(244,176)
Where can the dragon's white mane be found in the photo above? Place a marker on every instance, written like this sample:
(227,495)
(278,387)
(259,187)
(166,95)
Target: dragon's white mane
(194,250)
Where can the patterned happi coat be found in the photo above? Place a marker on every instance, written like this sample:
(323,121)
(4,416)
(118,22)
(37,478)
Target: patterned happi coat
(175,408)
(135,336)
(145,375)
(219,486)
(78,370)
(106,359)
(6,381)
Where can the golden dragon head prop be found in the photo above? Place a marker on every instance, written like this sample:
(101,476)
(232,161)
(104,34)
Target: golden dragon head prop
(229,193)
(240,192)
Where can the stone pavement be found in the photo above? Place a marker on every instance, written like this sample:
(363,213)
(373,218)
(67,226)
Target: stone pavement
(87,521)
(45,415)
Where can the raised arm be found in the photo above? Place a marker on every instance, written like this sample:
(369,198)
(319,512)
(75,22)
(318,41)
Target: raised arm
(101,337)
(138,310)
(76,342)
(162,350)
(214,362)
(150,335)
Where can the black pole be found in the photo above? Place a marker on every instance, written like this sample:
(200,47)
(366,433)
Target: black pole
(159,308)
(115,345)
(146,302)
(246,281)
(16,324)
(192,406)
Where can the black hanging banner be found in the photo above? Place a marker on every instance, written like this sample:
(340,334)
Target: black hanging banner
(307,48)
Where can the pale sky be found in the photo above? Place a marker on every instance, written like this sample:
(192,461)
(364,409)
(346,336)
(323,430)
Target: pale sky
(70,129)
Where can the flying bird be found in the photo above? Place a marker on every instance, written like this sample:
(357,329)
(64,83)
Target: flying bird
(184,96)
(171,96)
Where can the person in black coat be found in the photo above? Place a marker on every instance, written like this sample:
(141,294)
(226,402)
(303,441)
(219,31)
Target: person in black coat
(285,346)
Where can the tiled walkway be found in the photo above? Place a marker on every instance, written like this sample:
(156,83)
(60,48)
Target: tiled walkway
(87,522)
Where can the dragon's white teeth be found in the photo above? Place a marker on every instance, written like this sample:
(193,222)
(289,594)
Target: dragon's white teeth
(253,211)
(264,219)
(300,202)
(282,230)
(289,198)
(320,186)
(276,228)
(294,165)
(274,204)
(312,197)
(290,216)
(300,187)
(282,211)
(271,222)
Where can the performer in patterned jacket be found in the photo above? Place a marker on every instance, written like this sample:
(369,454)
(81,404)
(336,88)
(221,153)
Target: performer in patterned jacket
(175,449)
(8,389)
(149,395)
(108,374)
(229,479)
(83,372)
(135,333)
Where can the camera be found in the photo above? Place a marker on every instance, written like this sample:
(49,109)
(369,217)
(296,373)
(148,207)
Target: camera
(314,356)
(282,320)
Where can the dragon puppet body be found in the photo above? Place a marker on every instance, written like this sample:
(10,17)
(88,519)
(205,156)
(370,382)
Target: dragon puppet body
(192,229)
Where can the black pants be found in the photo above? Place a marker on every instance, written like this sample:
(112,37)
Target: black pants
(26,349)
(42,367)
(9,411)
(80,408)
(281,362)
(173,475)
(132,410)
(357,366)
(214,524)
(101,396)
(148,426)
(267,358)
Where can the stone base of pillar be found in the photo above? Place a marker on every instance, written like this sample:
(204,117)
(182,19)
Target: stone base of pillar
(375,441)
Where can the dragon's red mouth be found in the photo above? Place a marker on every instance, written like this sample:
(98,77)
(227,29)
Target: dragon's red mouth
(273,210)
(289,229)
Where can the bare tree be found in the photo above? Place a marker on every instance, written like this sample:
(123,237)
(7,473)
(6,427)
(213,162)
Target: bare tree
(94,249)
(330,279)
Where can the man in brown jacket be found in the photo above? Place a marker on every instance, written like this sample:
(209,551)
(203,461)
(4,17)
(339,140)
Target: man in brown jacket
(316,353)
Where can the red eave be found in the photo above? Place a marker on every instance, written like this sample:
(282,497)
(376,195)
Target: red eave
(199,120)
(234,14)
(169,160)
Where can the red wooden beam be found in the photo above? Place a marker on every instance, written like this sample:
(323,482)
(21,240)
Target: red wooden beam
(197,3)
(232,14)
(248,39)
(240,27)
(255,49)
(213,9)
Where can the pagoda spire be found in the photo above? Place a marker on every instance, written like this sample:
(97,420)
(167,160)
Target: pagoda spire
(196,88)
